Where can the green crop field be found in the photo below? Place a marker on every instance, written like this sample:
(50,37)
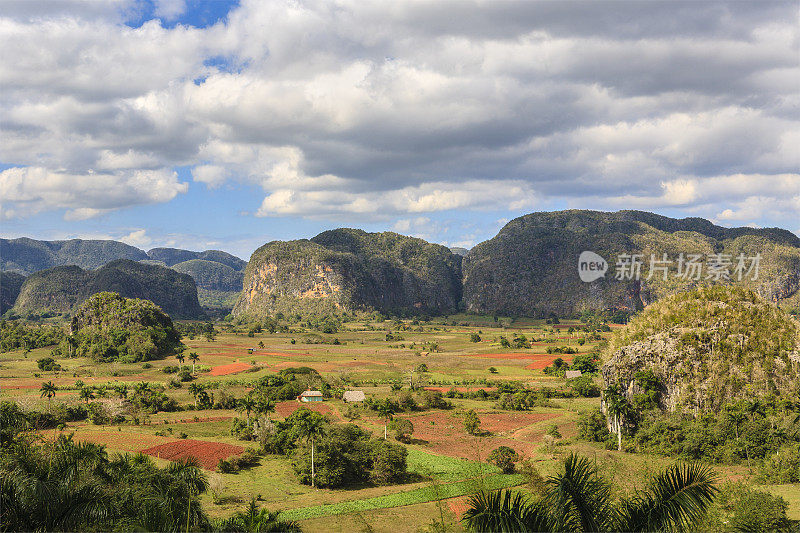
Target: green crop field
(444,462)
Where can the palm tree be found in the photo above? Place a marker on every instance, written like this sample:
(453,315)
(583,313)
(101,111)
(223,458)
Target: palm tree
(193,357)
(255,520)
(385,411)
(247,404)
(310,425)
(86,394)
(181,358)
(617,406)
(264,405)
(195,389)
(578,499)
(48,389)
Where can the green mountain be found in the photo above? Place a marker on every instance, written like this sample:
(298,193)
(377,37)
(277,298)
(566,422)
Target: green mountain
(10,284)
(531,267)
(708,347)
(173,256)
(218,285)
(108,327)
(27,256)
(348,270)
(63,289)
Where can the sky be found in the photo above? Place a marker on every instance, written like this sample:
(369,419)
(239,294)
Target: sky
(228,124)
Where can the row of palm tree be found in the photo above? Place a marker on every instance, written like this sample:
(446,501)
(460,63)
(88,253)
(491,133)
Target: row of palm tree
(579,499)
(193,357)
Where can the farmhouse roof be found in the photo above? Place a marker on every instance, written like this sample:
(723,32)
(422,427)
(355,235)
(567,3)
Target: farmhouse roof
(569,374)
(311,393)
(354,396)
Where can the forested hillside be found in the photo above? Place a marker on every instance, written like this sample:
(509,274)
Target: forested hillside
(27,256)
(346,270)
(62,289)
(530,267)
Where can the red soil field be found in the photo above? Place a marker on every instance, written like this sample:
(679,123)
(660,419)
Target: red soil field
(232,368)
(208,453)
(445,434)
(545,361)
(458,506)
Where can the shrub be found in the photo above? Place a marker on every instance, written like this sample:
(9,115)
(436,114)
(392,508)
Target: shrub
(435,400)
(48,364)
(475,338)
(472,423)
(98,413)
(403,428)
(592,426)
(782,466)
(584,386)
(504,459)
(169,369)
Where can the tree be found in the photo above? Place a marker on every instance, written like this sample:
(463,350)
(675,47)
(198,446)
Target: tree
(504,458)
(310,426)
(255,520)
(181,358)
(86,394)
(122,391)
(474,337)
(385,411)
(48,389)
(472,423)
(617,406)
(246,404)
(579,499)
(193,357)
(195,389)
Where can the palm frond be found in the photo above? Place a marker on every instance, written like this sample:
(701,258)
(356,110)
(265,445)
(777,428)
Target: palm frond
(505,511)
(579,497)
(675,500)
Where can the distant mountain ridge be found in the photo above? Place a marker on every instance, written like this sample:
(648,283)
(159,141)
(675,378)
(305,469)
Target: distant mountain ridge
(62,289)
(528,269)
(218,274)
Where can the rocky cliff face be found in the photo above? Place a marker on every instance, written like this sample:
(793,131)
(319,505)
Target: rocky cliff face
(63,289)
(531,266)
(708,347)
(349,270)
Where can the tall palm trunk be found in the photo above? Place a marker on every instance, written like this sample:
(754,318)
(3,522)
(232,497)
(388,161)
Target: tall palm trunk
(619,432)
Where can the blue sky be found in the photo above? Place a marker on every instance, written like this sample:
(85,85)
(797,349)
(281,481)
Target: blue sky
(228,124)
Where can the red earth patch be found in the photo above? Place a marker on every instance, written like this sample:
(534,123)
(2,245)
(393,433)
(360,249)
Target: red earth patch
(208,453)
(232,368)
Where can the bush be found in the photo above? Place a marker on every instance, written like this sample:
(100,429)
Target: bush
(48,364)
(475,338)
(472,423)
(99,413)
(170,369)
(504,459)
(782,466)
(402,427)
(757,512)
(435,400)
(592,426)
(584,386)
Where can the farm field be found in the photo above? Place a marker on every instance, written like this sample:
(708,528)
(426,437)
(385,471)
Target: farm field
(445,462)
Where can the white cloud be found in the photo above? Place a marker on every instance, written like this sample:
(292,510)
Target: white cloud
(26,191)
(169,9)
(342,108)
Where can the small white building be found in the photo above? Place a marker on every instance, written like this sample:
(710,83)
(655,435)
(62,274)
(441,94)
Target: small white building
(310,396)
(569,374)
(354,396)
